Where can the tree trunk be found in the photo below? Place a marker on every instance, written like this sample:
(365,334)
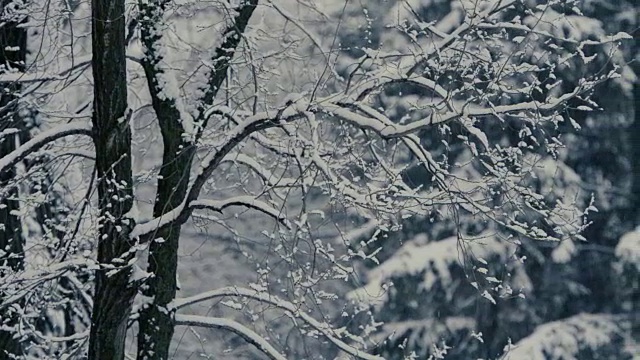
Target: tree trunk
(156,324)
(11,237)
(112,138)
(163,256)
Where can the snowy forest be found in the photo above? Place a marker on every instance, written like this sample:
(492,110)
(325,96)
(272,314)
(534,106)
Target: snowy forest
(320,179)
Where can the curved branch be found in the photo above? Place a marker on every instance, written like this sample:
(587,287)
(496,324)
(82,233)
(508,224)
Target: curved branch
(244,332)
(246,201)
(288,307)
(42,139)
(378,123)
(238,134)
(267,176)
(144,229)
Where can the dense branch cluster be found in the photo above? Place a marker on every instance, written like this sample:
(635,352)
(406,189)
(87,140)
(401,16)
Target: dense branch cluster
(294,146)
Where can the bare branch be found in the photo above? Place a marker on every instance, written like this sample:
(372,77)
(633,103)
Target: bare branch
(21,77)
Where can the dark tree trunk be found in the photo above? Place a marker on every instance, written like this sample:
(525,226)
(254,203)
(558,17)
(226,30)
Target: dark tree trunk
(156,324)
(11,238)
(163,256)
(112,138)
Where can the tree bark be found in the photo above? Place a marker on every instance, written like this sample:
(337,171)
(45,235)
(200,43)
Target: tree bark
(112,139)
(11,237)
(156,324)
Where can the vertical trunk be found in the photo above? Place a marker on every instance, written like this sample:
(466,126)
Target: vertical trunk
(156,324)
(112,138)
(163,256)
(11,238)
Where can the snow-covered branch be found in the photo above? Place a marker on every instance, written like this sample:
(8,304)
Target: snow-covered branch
(182,212)
(234,137)
(31,279)
(246,201)
(392,130)
(288,307)
(42,139)
(267,176)
(224,53)
(244,332)
(568,338)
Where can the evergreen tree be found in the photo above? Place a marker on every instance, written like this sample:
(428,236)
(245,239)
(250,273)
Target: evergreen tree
(444,282)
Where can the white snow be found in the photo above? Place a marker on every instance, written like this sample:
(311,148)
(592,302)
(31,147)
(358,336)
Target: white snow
(563,339)
(290,308)
(45,137)
(234,326)
(628,248)
(434,258)
(156,223)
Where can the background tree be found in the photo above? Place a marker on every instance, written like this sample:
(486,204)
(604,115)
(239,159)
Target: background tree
(560,279)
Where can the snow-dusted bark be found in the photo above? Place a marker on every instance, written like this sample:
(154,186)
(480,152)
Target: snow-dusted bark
(180,129)
(114,293)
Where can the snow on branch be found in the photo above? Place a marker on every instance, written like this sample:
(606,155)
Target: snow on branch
(42,139)
(239,133)
(234,137)
(31,279)
(460,31)
(392,130)
(182,212)
(288,307)
(628,249)
(268,177)
(246,201)
(434,259)
(244,332)
(143,230)
(224,53)
(566,339)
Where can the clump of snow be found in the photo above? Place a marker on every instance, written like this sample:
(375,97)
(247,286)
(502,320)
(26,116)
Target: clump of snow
(628,248)
(564,252)
(434,258)
(565,339)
